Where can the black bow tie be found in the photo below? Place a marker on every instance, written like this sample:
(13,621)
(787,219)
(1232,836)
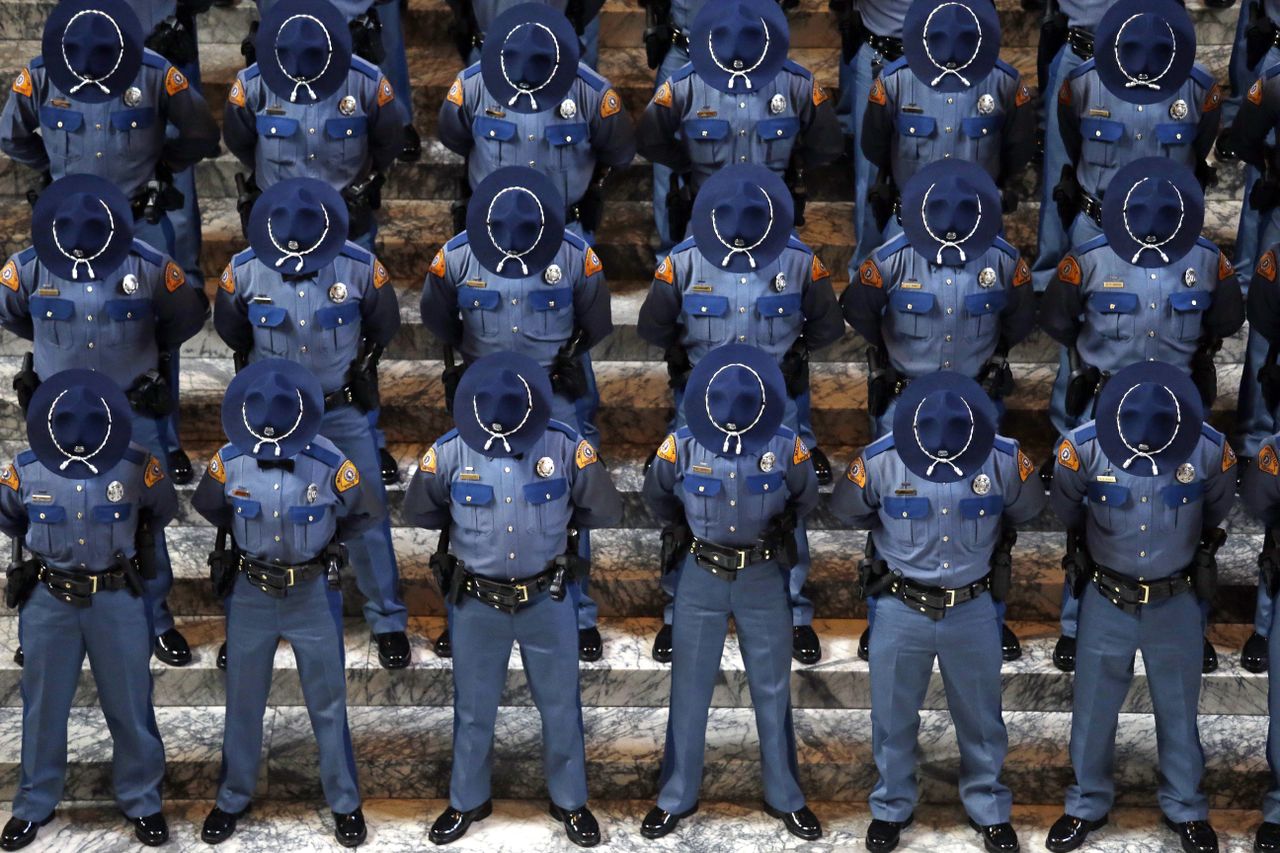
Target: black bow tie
(286,464)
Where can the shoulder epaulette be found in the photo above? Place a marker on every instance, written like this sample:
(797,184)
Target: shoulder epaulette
(893,247)
(328,457)
(243,257)
(1201,76)
(37,62)
(1270,72)
(794,242)
(365,67)
(26,457)
(135,454)
(351,250)
(561,426)
(1087,432)
(1212,434)
(786,433)
(575,241)
(875,448)
(153,59)
(27,255)
(684,245)
(684,432)
(1089,245)
(251,73)
(796,68)
(451,434)
(1007,446)
(1206,243)
(591,78)
(1001,65)
(457,242)
(1081,69)
(147,253)
(1004,246)
(229,451)
(470,71)
(894,67)
(682,72)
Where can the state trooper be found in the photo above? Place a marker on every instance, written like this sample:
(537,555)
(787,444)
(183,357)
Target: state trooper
(518,267)
(302,291)
(78,499)
(1148,288)
(737,482)
(88,295)
(288,499)
(940,493)
(509,485)
(949,96)
(1141,490)
(472,19)
(742,277)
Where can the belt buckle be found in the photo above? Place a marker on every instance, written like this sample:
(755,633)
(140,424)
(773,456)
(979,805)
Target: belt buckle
(1146,593)
(93,590)
(523,590)
(948,598)
(289,573)
(742,561)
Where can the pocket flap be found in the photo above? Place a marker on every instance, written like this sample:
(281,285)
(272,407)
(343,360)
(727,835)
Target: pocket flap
(977,127)
(1111,494)
(986,506)
(46,513)
(277,126)
(988,302)
(558,135)
(765,484)
(778,305)
(1100,130)
(346,128)
(906,507)
(706,129)
(1175,134)
(307,514)
(783,127)
(111,513)
(133,119)
(700,485)
(478,299)
(551,299)
(1113,303)
(123,310)
(1190,300)
(1182,493)
(266,315)
(333,316)
(916,125)
(57,118)
(911,301)
(494,128)
(705,305)
(51,308)
(246,508)
(472,494)
(545,491)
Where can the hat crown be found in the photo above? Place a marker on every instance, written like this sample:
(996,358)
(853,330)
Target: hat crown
(1145,46)
(298,218)
(271,406)
(741,37)
(1153,210)
(735,398)
(529,55)
(953,36)
(303,48)
(953,209)
(1148,416)
(82,224)
(944,424)
(745,216)
(80,421)
(515,221)
(92,45)
(504,403)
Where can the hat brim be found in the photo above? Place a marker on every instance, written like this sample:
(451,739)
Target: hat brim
(41,441)
(912,208)
(481,373)
(280,83)
(719,187)
(775,55)
(478,235)
(312,408)
(46,211)
(561,80)
(912,454)
(698,419)
(925,69)
(319,257)
(1113,200)
(1108,66)
(1106,414)
(61,75)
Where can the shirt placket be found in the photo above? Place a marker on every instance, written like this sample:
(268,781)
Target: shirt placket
(78,518)
(312,131)
(732,496)
(508,477)
(301,301)
(946,521)
(1146,520)
(92,304)
(744,118)
(948,299)
(1149,313)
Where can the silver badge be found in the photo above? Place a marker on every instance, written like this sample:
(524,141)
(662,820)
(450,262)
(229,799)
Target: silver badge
(951,236)
(1186,472)
(347,106)
(981,484)
(737,65)
(552,274)
(313,492)
(130,284)
(767,461)
(132,96)
(293,245)
(1178,110)
(1189,278)
(986,105)
(780,282)
(568,108)
(115,491)
(987,277)
(777,104)
(338,292)
(545,467)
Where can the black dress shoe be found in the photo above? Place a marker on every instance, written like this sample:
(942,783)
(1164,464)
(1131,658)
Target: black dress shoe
(411,148)
(1255,656)
(590,646)
(18,833)
(883,835)
(349,828)
(1064,653)
(821,466)
(443,645)
(1210,661)
(19,657)
(219,825)
(152,830)
(390,470)
(171,648)
(1068,833)
(222,657)
(1197,836)
(801,823)
(805,647)
(659,822)
(1267,840)
(997,837)
(452,824)
(662,645)
(180,468)
(579,824)
(1010,648)
(393,649)
(864,645)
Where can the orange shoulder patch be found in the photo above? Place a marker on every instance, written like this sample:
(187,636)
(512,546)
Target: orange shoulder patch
(1025,466)
(174,277)
(227,281)
(1064,94)
(9,477)
(428,463)
(380,275)
(667,450)
(1267,265)
(1228,456)
(237,93)
(610,104)
(1069,270)
(878,95)
(1212,99)
(217,470)
(386,94)
(1267,461)
(800,453)
(585,455)
(9,275)
(1023,96)
(347,477)
(819,94)
(1021,273)
(857,473)
(817,269)
(869,274)
(591,263)
(438,264)
(666,271)
(1067,456)
(175,81)
(1225,270)
(22,83)
(455,92)
(154,472)
(664,96)
(1255,92)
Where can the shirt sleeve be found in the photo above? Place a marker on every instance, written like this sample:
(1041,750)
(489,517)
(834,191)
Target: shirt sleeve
(1220,488)
(1210,120)
(240,125)
(1018,136)
(1260,486)
(802,484)
(386,126)
(1024,497)
(657,135)
(20,123)
(822,139)
(180,308)
(15,306)
(855,498)
(660,313)
(426,501)
(231,314)
(210,498)
(358,506)
(13,512)
(1067,495)
(1226,309)
(864,300)
(1068,127)
(1019,315)
(596,502)
(439,302)
(187,111)
(823,321)
(158,495)
(454,125)
(1254,122)
(878,132)
(1264,298)
(659,491)
(380,307)
(592,304)
(1062,304)
(612,136)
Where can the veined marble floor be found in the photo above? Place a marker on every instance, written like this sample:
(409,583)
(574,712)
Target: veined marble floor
(524,827)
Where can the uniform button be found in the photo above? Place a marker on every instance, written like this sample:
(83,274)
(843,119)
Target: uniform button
(42,516)
(510,529)
(508,500)
(89,289)
(948,130)
(1142,527)
(949,281)
(742,133)
(951,100)
(302,322)
(984,131)
(1153,305)
(946,364)
(732,529)
(742,105)
(1139,107)
(491,133)
(79,488)
(1095,133)
(733,503)
(742,309)
(304,349)
(703,309)
(1142,553)
(277,538)
(904,515)
(80,515)
(506,470)
(1151,333)
(89,318)
(911,130)
(702,488)
(1104,499)
(273,132)
(275,514)
(348,133)
(948,339)
(742,159)
(733,475)
(59,124)
(97,127)
(90,344)
(134,124)
(311,156)
(945,510)
(515,328)
(81,541)
(910,306)
(766,487)
(1178,136)
(981,513)
(276,487)
(1144,498)
(511,556)
(951,310)
(532,137)
(532,163)
(302,294)
(946,565)
(742,280)
(311,130)
(946,538)
(311,518)
(1153,276)
(515,301)
(99,155)
(742,339)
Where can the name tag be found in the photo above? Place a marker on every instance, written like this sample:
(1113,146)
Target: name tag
(707,113)
(904,490)
(702,288)
(48,291)
(468,476)
(1098,112)
(913,109)
(41,498)
(1106,478)
(61,102)
(275,111)
(475,282)
(495,112)
(1113,285)
(701,469)
(911,285)
(240,492)
(262,300)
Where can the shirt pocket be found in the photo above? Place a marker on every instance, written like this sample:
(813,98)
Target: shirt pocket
(498,138)
(132,129)
(1186,308)
(346,140)
(708,141)
(570,143)
(706,317)
(769,493)
(777,136)
(247,524)
(276,135)
(781,317)
(552,309)
(1108,503)
(1184,499)
(702,502)
(1174,137)
(60,130)
(54,320)
(983,310)
(270,327)
(473,506)
(117,518)
(983,135)
(1113,314)
(480,307)
(45,534)
(1099,138)
(910,310)
(312,529)
(907,518)
(550,508)
(126,315)
(914,133)
(341,324)
(980,517)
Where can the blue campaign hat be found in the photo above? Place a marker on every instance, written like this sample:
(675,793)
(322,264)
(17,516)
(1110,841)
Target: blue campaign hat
(92,48)
(82,228)
(304,50)
(298,225)
(1152,211)
(738,46)
(951,45)
(944,426)
(503,404)
(1148,418)
(79,424)
(951,211)
(742,217)
(530,57)
(272,409)
(1144,49)
(515,222)
(735,399)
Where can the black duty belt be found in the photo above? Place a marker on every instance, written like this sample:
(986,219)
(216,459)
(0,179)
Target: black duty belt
(725,562)
(934,601)
(78,588)
(680,39)
(508,596)
(1081,41)
(1091,207)
(887,46)
(1130,595)
(276,580)
(337,399)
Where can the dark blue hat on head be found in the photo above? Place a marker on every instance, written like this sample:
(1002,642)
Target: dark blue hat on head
(79,424)
(735,399)
(951,211)
(515,222)
(944,426)
(503,404)
(298,225)
(92,48)
(1144,49)
(738,46)
(272,409)
(1148,418)
(951,45)
(742,217)
(304,50)
(1153,211)
(82,228)
(530,58)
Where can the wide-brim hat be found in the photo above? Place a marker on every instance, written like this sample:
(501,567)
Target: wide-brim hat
(281,201)
(116,214)
(754,373)
(337,41)
(1123,218)
(743,186)
(84,462)
(1171,18)
(309,412)
(516,26)
(976,22)
(719,72)
(956,186)
(979,437)
(520,192)
(503,404)
(124,26)
(1190,418)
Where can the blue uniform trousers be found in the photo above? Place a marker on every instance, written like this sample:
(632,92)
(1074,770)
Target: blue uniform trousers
(855,85)
(966,644)
(1168,635)
(1054,240)
(149,433)
(55,638)
(757,601)
(1271,803)
(547,632)
(310,619)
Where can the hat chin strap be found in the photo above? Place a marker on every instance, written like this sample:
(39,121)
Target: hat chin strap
(972,59)
(502,436)
(305,82)
(1143,246)
(948,244)
(521,88)
(92,81)
(744,73)
(732,434)
(744,250)
(507,255)
(915,430)
(287,253)
(75,256)
(1138,452)
(1132,82)
(72,457)
(275,440)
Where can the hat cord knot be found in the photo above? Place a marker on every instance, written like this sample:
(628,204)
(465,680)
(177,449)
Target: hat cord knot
(1144,246)
(495,435)
(744,250)
(73,457)
(732,434)
(948,244)
(972,59)
(1138,452)
(273,440)
(77,260)
(744,73)
(1132,82)
(298,254)
(944,460)
(507,254)
(521,88)
(305,82)
(94,81)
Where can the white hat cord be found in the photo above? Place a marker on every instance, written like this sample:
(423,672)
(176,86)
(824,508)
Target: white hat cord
(76,256)
(494,434)
(272,439)
(1135,82)
(744,73)
(1143,245)
(972,59)
(521,88)
(1138,452)
(745,250)
(945,243)
(943,460)
(291,250)
(731,431)
(92,81)
(305,82)
(507,255)
(73,457)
